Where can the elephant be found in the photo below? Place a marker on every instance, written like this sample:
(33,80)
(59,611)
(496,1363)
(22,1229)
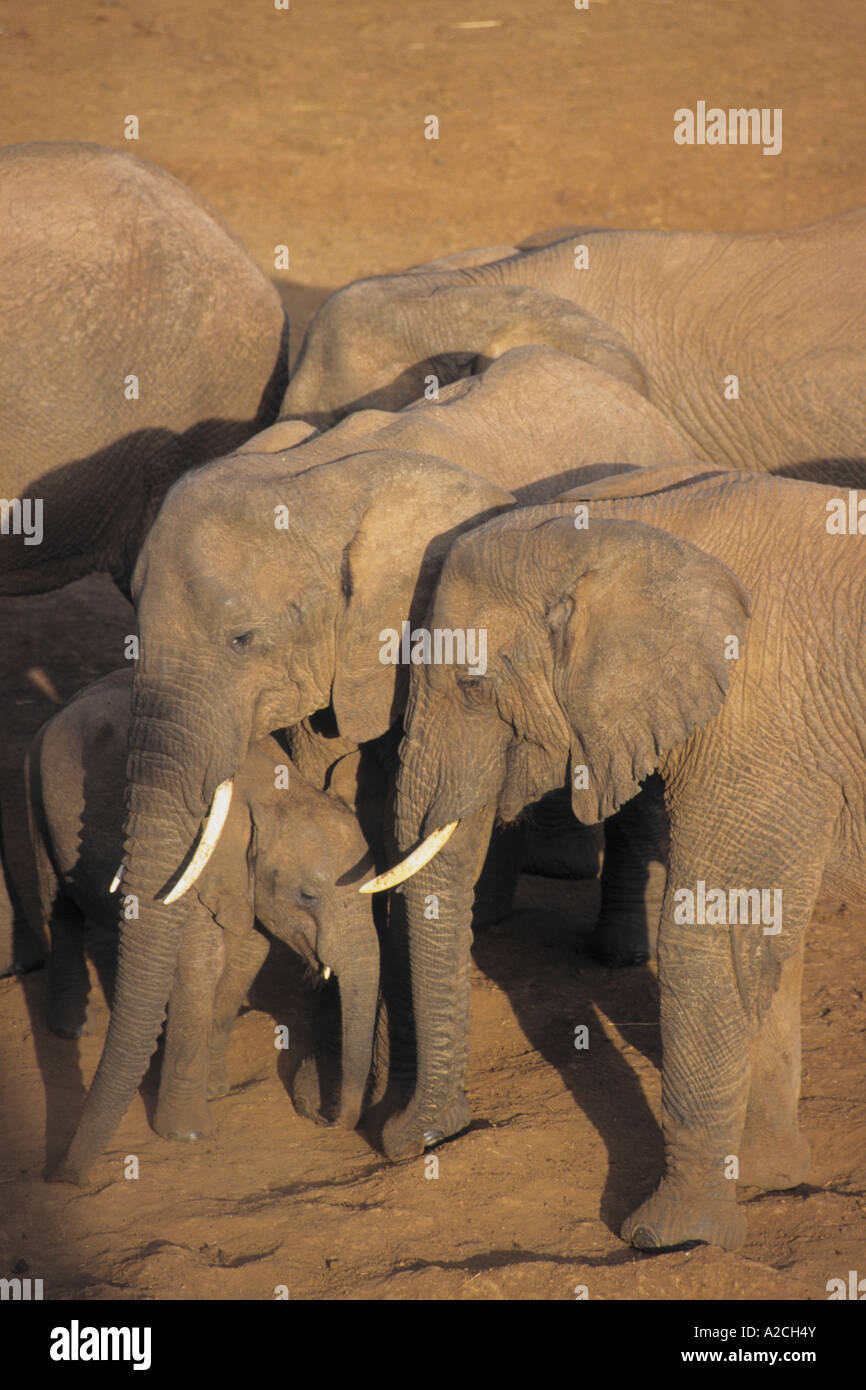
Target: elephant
(141,340)
(290,857)
(262,590)
(753,345)
(710,627)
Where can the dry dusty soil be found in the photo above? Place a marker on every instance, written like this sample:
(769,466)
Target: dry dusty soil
(305,127)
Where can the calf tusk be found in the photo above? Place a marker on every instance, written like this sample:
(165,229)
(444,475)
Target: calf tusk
(413,862)
(115,882)
(211,831)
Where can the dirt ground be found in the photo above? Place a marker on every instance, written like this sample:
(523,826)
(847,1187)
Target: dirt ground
(305,127)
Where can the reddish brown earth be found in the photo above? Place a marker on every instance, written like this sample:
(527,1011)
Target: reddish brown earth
(306,128)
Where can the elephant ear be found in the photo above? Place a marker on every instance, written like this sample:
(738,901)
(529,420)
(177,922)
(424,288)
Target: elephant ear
(646,635)
(390,567)
(227,886)
(344,778)
(489,320)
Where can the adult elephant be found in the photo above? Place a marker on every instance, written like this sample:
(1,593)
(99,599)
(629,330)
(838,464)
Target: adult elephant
(140,340)
(753,345)
(263,592)
(610,652)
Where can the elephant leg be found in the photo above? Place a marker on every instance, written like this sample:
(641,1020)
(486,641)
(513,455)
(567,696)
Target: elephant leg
(774,1153)
(20,949)
(714,981)
(316,1082)
(494,891)
(705,1091)
(182,1111)
(244,957)
(633,878)
(68,978)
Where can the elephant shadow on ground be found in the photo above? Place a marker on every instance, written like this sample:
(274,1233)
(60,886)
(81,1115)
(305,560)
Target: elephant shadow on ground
(540,957)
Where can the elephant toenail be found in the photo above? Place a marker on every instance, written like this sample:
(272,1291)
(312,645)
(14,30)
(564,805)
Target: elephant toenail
(433,1136)
(645,1239)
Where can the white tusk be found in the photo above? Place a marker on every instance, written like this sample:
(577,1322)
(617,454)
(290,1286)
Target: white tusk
(413,862)
(211,831)
(326,973)
(115,882)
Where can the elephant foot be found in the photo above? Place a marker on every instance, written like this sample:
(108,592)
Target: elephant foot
(217,1080)
(622,939)
(405,1136)
(66,1171)
(675,1216)
(775,1162)
(23,954)
(63,1029)
(184,1123)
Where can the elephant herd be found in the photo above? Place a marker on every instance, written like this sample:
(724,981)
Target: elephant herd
(576,518)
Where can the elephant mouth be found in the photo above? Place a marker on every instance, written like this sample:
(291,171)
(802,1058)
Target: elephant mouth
(408,867)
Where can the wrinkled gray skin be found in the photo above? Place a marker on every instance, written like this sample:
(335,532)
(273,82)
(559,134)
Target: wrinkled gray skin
(610,649)
(109,267)
(247,627)
(784,312)
(290,856)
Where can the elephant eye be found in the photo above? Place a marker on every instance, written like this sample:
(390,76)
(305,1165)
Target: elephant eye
(474,689)
(241,641)
(307,899)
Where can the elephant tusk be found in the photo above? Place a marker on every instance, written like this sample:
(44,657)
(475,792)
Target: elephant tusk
(426,851)
(115,882)
(211,831)
(326,973)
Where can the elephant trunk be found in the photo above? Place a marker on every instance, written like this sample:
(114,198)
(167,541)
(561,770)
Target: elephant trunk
(164,812)
(356,966)
(434,909)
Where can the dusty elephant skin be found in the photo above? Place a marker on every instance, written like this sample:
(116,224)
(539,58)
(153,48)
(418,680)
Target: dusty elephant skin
(612,651)
(784,313)
(139,340)
(110,269)
(262,590)
(289,856)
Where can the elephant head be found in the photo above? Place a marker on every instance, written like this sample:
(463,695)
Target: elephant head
(375,343)
(605,650)
(261,598)
(292,857)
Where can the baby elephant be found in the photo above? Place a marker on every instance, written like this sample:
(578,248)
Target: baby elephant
(290,856)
